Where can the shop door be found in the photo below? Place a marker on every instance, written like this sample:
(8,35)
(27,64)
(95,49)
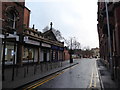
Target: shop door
(45,57)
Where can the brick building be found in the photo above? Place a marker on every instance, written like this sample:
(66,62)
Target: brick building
(95,52)
(114,23)
(12,28)
(22,44)
(66,54)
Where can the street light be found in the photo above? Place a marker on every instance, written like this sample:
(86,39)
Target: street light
(71,52)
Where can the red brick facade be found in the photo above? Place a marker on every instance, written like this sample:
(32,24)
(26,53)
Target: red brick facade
(18,8)
(66,54)
(114,23)
(26,17)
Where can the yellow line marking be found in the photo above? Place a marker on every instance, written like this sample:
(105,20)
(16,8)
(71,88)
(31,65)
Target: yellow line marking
(37,83)
(46,80)
(94,81)
(96,74)
(91,79)
(42,81)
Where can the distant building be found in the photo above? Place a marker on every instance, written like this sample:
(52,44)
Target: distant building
(66,54)
(77,53)
(95,52)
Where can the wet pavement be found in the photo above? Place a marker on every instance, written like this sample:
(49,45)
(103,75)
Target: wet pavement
(105,75)
(82,75)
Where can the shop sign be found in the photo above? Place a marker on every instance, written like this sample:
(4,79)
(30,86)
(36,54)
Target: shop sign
(13,36)
(46,45)
(1,36)
(31,41)
(60,48)
(54,47)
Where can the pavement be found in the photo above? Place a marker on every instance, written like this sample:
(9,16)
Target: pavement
(31,78)
(105,77)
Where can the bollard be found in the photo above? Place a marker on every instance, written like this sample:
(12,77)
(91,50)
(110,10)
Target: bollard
(34,69)
(47,66)
(16,71)
(24,72)
(13,72)
(51,65)
(27,69)
(41,67)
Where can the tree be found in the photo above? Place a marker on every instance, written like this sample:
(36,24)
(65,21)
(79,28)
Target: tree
(45,29)
(87,52)
(72,43)
(57,34)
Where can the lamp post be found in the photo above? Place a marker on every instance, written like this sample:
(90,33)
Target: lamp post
(109,37)
(71,52)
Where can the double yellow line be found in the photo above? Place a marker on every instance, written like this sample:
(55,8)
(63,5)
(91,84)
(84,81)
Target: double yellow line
(42,82)
(93,79)
(46,80)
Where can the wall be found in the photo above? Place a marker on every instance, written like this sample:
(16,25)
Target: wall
(26,17)
(66,55)
(20,8)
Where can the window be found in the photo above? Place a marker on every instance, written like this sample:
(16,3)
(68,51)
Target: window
(12,19)
(12,16)
(9,53)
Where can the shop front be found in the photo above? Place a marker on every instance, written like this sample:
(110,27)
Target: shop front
(10,53)
(54,53)
(9,49)
(30,50)
(60,53)
(45,52)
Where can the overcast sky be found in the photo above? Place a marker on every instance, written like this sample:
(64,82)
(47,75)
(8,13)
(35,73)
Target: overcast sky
(73,18)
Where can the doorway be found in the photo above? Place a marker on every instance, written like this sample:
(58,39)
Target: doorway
(45,57)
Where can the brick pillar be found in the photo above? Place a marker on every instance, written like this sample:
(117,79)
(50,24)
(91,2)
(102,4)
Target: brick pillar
(20,50)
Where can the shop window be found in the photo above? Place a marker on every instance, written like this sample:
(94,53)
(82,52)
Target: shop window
(28,54)
(9,53)
(25,55)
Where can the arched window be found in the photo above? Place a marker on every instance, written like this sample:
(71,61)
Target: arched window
(12,19)
(12,16)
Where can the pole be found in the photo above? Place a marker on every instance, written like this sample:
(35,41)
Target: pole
(3,58)
(109,37)
(71,60)
(13,70)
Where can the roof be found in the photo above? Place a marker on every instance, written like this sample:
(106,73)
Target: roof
(50,33)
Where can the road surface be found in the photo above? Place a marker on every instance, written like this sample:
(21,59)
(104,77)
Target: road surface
(82,75)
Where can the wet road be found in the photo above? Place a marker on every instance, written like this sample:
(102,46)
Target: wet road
(82,75)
